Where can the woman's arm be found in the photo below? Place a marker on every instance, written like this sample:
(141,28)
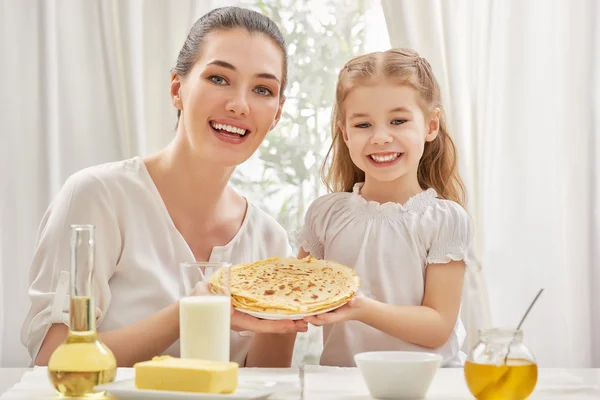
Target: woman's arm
(271,350)
(272,345)
(275,350)
(136,342)
(427,325)
(302,253)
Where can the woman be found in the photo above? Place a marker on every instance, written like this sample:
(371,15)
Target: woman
(175,206)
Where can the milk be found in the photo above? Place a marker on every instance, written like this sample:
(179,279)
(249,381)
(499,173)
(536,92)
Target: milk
(204,327)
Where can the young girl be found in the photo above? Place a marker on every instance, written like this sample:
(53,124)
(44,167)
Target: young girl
(395,215)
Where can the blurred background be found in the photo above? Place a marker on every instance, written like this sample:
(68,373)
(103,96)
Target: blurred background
(87,82)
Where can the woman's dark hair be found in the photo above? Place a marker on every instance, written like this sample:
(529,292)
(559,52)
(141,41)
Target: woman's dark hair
(227,18)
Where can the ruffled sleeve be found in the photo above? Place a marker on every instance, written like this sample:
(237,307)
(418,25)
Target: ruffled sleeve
(313,234)
(82,200)
(450,233)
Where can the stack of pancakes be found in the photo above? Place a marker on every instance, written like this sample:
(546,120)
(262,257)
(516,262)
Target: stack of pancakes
(289,285)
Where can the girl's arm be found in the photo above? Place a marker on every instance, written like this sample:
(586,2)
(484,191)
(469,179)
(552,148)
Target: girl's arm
(427,325)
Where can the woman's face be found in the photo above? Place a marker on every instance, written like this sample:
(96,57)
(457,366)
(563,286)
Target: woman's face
(230,98)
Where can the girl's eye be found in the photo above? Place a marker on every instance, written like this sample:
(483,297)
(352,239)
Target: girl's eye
(263,91)
(218,80)
(398,121)
(363,125)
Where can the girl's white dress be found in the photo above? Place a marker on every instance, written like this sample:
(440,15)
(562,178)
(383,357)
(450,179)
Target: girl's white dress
(390,246)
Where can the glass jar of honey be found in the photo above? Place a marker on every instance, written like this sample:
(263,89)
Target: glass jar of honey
(500,366)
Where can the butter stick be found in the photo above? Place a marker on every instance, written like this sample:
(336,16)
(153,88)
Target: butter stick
(186,375)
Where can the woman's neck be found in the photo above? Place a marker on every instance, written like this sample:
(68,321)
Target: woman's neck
(197,185)
(396,191)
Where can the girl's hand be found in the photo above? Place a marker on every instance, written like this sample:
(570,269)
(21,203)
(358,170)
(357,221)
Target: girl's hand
(245,322)
(350,311)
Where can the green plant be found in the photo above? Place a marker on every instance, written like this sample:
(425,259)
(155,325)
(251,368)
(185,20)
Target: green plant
(321,36)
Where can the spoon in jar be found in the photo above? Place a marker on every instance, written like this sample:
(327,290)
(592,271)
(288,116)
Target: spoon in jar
(521,323)
(499,383)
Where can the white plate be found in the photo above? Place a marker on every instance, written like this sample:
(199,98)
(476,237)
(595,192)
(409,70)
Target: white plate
(277,317)
(247,390)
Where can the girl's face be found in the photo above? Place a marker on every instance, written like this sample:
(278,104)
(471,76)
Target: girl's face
(385,130)
(230,98)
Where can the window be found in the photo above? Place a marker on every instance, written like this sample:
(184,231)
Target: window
(283,177)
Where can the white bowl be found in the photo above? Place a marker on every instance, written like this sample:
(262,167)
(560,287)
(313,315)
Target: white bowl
(398,374)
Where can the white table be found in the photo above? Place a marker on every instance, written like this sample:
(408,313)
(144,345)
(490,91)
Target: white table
(324,383)
(10,376)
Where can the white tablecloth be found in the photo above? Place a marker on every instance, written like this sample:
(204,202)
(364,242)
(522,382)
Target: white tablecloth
(327,383)
(34,384)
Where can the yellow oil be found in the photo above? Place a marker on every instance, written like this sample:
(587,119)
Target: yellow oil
(513,381)
(80,384)
(82,361)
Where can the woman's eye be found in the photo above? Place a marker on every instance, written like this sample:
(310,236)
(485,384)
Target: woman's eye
(218,80)
(263,91)
(398,121)
(363,125)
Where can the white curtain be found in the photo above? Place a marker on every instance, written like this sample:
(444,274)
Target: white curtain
(518,78)
(82,83)
(87,82)
(595,172)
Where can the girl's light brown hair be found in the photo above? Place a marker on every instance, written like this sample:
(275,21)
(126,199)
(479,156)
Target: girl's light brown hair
(438,166)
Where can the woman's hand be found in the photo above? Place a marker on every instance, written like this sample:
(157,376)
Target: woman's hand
(245,322)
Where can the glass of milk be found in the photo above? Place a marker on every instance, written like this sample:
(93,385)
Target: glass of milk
(205,317)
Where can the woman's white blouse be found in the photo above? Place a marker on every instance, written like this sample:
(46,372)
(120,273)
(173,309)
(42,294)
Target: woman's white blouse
(138,252)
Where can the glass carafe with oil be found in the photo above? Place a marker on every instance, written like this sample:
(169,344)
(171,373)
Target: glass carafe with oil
(82,361)
(500,366)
